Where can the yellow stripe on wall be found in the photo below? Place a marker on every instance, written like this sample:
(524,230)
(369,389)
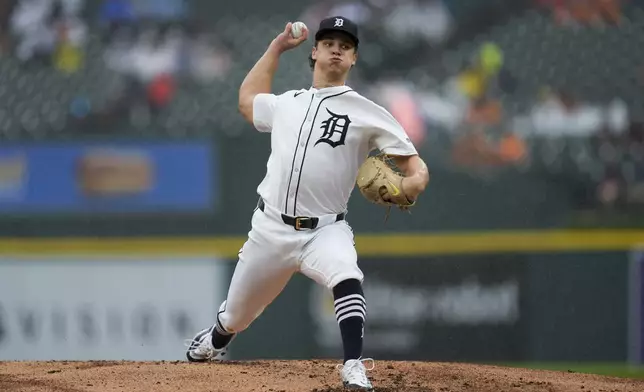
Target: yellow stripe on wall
(367,245)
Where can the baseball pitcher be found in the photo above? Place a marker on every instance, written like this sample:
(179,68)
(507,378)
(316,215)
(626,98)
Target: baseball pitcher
(321,140)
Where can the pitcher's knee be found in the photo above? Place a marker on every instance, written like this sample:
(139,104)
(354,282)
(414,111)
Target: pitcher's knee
(350,273)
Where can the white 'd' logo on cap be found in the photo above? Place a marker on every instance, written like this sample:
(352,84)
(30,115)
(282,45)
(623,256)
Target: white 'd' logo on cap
(338,22)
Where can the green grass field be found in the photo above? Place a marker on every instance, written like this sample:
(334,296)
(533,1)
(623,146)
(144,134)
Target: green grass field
(606,369)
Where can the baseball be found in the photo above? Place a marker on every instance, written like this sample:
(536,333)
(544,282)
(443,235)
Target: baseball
(297,29)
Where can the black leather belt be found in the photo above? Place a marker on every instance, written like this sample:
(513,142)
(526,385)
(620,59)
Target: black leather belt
(300,222)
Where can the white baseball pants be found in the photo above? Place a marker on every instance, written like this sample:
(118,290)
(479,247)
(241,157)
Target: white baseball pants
(275,251)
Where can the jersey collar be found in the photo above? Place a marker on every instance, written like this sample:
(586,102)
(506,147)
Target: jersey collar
(326,91)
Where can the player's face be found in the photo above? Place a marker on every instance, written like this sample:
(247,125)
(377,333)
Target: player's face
(335,54)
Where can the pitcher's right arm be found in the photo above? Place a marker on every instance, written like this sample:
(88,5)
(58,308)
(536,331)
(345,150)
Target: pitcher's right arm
(260,77)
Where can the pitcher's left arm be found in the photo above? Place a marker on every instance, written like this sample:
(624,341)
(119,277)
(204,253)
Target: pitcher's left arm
(392,140)
(416,174)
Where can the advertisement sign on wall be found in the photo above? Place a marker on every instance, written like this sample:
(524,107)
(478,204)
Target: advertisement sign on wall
(457,307)
(547,306)
(105,309)
(112,177)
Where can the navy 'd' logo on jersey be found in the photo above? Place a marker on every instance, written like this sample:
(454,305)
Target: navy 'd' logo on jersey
(335,129)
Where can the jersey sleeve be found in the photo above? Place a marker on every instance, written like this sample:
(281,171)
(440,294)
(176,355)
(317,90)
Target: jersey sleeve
(390,137)
(263,111)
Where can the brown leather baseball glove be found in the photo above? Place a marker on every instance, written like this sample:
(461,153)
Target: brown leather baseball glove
(377,177)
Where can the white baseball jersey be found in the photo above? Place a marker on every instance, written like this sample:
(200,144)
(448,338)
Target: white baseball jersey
(319,139)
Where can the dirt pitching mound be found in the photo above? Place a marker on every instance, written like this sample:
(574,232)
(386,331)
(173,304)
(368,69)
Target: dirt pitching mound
(319,376)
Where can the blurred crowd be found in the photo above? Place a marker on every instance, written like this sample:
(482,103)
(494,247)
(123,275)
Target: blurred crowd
(44,32)
(584,12)
(399,22)
(473,105)
(152,44)
(476,105)
(143,38)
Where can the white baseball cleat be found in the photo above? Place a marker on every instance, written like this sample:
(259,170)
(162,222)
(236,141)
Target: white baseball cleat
(200,348)
(354,375)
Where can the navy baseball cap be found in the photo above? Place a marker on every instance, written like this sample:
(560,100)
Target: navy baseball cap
(338,23)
